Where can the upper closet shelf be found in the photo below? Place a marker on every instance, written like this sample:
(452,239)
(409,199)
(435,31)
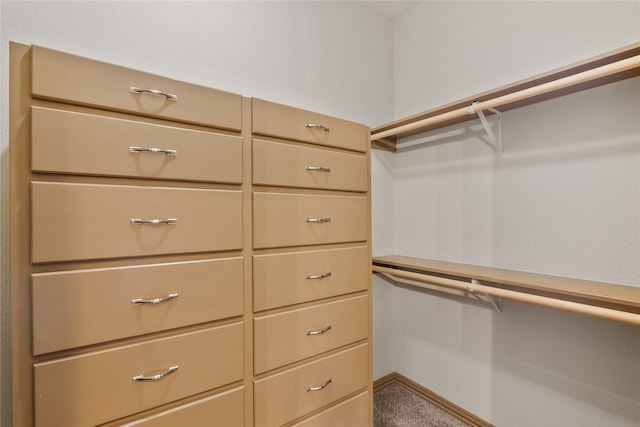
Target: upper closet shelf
(620,64)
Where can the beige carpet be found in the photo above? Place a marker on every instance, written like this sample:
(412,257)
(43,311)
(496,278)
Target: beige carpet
(395,406)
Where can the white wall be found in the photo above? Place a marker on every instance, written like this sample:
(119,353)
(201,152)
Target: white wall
(330,57)
(563,200)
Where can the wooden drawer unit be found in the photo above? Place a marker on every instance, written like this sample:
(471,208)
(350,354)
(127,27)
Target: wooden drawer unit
(183,256)
(352,412)
(105,304)
(281,220)
(86,144)
(311,239)
(68,78)
(101,386)
(83,221)
(221,410)
(295,277)
(289,165)
(291,394)
(294,335)
(282,121)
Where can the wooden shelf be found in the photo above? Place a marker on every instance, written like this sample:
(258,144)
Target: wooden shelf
(607,68)
(596,298)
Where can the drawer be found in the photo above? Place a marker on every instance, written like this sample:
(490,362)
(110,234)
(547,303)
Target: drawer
(98,304)
(352,412)
(295,277)
(284,397)
(294,335)
(83,221)
(69,78)
(77,143)
(303,219)
(224,409)
(98,387)
(294,166)
(282,121)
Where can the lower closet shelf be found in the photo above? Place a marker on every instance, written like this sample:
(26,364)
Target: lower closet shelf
(610,301)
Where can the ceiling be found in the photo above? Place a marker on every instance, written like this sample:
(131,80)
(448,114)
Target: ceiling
(391,8)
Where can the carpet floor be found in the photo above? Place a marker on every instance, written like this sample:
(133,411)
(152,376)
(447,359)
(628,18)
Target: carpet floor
(395,406)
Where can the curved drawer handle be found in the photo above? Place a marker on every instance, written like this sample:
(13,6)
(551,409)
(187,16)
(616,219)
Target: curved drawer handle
(316,126)
(133,149)
(317,168)
(320,332)
(137,301)
(320,387)
(156,377)
(318,220)
(319,276)
(168,221)
(169,96)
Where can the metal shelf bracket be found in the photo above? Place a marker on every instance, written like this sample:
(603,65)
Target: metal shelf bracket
(494,142)
(496,302)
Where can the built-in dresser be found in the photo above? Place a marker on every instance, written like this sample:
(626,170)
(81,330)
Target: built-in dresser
(311,267)
(181,255)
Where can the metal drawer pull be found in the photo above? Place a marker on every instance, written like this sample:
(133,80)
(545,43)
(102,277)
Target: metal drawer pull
(316,126)
(318,220)
(320,332)
(169,96)
(169,297)
(133,149)
(318,276)
(320,387)
(169,221)
(156,377)
(317,168)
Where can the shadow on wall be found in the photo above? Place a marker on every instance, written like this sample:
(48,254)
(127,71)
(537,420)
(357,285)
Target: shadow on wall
(570,128)
(543,358)
(529,366)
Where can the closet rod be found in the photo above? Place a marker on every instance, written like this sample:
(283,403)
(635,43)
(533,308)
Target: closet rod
(562,83)
(591,310)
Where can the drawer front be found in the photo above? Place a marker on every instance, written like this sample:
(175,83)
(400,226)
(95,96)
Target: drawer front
(98,387)
(281,220)
(224,409)
(284,397)
(82,221)
(295,277)
(294,166)
(69,78)
(77,143)
(294,335)
(352,412)
(100,305)
(282,121)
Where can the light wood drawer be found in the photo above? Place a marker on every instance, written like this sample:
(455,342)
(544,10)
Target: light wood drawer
(294,335)
(98,387)
(76,308)
(293,123)
(83,221)
(77,80)
(222,410)
(284,397)
(350,413)
(288,219)
(77,143)
(294,166)
(295,277)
